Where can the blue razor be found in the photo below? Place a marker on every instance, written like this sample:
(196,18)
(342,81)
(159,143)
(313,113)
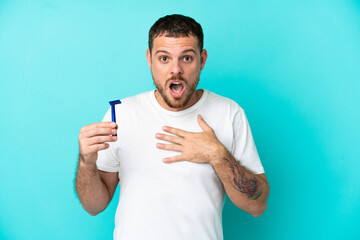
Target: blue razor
(113,116)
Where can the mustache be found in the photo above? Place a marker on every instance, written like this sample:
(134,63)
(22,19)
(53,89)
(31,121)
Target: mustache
(176,77)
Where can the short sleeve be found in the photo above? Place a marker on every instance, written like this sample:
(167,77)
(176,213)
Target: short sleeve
(243,147)
(107,161)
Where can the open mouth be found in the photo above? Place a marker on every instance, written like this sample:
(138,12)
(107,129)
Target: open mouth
(177,88)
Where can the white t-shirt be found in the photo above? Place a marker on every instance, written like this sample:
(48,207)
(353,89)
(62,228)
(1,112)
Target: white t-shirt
(181,200)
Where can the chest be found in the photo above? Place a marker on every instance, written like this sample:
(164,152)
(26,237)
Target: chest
(139,157)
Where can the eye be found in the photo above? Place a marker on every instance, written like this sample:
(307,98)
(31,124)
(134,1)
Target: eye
(163,59)
(187,59)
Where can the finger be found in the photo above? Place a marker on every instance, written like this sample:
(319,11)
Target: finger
(204,126)
(98,147)
(171,147)
(175,131)
(169,138)
(101,139)
(177,158)
(97,125)
(99,131)
(93,149)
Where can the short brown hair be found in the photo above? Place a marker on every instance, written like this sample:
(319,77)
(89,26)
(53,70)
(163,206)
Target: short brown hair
(176,25)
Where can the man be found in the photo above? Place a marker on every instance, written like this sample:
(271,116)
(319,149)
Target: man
(177,149)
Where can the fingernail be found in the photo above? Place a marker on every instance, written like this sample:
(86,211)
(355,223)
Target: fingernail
(157,135)
(112,124)
(113,131)
(114,138)
(165,128)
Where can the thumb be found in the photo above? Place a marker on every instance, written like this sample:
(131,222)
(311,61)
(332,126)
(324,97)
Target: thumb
(203,124)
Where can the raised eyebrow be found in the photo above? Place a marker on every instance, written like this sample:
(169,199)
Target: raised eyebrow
(161,51)
(189,50)
(166,52)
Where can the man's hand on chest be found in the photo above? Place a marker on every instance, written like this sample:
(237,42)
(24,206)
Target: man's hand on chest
(197,147)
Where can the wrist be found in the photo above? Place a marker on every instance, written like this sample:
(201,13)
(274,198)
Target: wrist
(86,163)
(221,153)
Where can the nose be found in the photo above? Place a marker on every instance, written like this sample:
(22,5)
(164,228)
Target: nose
(176,68)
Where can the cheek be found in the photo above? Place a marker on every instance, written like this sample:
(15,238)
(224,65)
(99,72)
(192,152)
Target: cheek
(159,70)
(194,70)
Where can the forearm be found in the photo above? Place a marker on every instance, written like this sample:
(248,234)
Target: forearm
(245,189)
(92,192)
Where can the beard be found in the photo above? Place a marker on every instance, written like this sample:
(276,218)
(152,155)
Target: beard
(188,93)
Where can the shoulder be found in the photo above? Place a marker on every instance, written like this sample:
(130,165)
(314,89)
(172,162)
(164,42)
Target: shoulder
(137,101)
(224,103)
(130,105)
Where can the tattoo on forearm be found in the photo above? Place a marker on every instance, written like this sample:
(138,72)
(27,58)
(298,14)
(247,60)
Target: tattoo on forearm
(249,186)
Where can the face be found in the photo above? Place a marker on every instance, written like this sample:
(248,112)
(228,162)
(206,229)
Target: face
(175,65)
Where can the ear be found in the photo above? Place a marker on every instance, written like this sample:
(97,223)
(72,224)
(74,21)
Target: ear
(148,57)
(203,57)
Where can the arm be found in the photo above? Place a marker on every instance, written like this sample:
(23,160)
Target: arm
(95,188)
(245,189)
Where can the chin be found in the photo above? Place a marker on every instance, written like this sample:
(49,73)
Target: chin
(176,104)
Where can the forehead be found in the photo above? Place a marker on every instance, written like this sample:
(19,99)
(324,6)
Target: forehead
(175,44)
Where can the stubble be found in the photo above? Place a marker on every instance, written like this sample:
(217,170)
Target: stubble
(189,91)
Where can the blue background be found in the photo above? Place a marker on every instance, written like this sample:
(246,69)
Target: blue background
(294,66)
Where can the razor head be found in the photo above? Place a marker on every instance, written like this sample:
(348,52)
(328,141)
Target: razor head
(112,103)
